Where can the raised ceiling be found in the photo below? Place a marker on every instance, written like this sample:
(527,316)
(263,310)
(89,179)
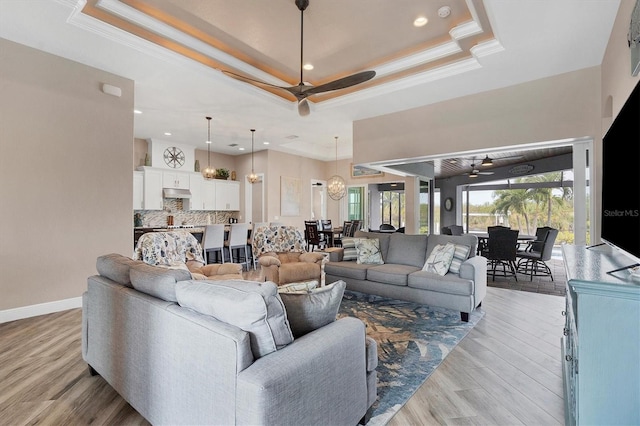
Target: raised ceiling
(174,49)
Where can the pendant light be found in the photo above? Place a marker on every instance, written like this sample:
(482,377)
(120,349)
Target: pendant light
(336,186)
(252,178)
(209,173)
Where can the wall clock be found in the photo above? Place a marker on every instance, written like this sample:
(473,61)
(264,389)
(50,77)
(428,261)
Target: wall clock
(448,204)
(174,157)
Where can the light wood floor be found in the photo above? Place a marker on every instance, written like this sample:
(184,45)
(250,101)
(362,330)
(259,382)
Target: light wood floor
(506,371)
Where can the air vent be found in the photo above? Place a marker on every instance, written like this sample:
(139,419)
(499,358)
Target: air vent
(233,145)
(292,137)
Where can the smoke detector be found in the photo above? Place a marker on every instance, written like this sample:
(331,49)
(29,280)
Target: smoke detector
(444,11)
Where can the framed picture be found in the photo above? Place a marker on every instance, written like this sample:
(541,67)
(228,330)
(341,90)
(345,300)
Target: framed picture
(290,196)
(360,171)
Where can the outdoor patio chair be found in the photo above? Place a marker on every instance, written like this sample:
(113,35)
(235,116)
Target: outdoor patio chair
(501,252)
(532,261)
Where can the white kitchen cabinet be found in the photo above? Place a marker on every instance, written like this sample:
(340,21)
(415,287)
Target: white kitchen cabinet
(138,190)
(178,180)
(152,194)
(227,195)
(203,193)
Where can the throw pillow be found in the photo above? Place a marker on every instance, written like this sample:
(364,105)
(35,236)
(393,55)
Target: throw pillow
(310,310)
(440,259)
(460,254)
(255,307)
(349,246)
(369,251)
(297,287)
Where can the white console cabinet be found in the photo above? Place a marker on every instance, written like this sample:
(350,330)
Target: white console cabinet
(601,343)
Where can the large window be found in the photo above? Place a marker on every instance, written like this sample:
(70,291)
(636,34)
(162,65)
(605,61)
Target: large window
(355,203)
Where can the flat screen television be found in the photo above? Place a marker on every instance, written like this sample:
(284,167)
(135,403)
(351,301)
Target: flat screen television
(621,180)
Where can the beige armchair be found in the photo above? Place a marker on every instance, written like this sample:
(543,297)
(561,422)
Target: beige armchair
(290,267)
(283,257)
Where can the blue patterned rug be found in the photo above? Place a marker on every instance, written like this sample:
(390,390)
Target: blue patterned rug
(412,341)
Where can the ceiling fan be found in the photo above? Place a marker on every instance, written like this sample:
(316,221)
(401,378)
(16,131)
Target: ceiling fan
(474,173)
(301,91)
(486,161)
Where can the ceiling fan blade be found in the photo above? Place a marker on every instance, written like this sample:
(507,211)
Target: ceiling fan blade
(303,107)
(251,80)
(341,83)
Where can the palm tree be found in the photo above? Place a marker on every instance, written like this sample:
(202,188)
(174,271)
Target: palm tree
(544,196)
(514,200)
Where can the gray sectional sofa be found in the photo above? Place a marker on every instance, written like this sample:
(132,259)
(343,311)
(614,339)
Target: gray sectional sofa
(401,276)
(150,332)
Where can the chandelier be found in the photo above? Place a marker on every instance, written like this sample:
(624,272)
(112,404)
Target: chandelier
(336,186)
(252,178)
(209,173)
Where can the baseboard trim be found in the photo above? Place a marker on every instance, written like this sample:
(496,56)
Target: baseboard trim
(39,309)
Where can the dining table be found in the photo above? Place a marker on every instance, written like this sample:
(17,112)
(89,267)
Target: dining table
(483,237)
(330,234)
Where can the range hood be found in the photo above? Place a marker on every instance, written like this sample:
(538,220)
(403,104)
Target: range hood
(176,193)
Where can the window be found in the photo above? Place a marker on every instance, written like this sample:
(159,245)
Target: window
(355,203)
(393,207)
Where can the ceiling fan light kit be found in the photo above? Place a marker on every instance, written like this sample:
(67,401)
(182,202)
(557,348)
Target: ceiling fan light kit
(302,91)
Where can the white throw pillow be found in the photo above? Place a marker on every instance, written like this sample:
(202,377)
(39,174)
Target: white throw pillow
(460,254)
(440,259)
(310,310)
(255,307)
(369,251)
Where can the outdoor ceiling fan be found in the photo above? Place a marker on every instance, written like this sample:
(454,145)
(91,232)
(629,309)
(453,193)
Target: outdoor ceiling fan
(486,161)
(475,172)
(301,91)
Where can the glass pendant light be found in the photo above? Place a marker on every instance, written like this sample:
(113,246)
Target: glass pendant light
(252,178)
(336,186)
(209,173)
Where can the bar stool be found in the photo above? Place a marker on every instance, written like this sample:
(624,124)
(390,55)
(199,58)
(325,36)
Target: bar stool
(238,233)
(213,241)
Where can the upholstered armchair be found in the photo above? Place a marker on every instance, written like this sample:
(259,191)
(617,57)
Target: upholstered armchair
(282,255)
(181,250)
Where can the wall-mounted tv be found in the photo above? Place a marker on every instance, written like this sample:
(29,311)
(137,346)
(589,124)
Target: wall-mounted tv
(621,179)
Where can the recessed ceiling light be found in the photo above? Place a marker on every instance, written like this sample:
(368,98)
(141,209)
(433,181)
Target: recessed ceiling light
(137,111)
(241,149)
(265,143)
(167,133)
(420,21)
(308,66)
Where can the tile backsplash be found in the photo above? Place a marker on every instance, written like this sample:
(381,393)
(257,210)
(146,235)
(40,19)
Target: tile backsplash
(173,207)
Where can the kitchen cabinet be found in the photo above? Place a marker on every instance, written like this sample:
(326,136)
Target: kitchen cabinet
(178,180)
(138,190)
(601,343)
(227,195)
(203,193)
(152,191)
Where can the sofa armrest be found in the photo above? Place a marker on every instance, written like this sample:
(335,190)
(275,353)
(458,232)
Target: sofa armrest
(268,261)
(475,269)
(295,385)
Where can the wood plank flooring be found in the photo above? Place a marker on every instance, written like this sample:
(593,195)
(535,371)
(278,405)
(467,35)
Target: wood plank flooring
(507,371)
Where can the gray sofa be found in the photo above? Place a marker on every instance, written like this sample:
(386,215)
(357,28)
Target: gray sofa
(177,365)
(401,276)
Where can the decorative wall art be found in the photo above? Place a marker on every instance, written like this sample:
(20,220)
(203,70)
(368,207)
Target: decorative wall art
(360,171)
(290,196)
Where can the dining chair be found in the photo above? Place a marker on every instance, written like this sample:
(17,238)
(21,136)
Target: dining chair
(337,240)
(456,229)
(533,260)
(355,226)
(213,241)
(501,251)
(238,233)
(312,236)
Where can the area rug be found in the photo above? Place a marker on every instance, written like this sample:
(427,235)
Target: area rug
(412,341)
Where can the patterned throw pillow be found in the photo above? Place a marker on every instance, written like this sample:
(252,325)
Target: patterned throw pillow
(349,246)
(460,254)
(296,287)
(369,251)
(440,259)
